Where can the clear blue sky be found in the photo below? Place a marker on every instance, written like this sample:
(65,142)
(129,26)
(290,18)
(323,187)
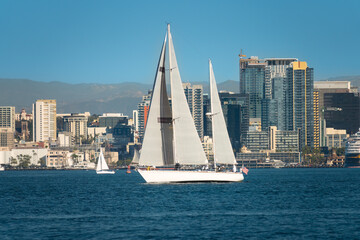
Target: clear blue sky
(108,41)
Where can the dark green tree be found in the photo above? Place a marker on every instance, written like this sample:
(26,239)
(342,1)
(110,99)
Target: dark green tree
(24,160)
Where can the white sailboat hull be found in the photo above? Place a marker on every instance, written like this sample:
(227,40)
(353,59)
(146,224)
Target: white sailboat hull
(105,172)
(179,176)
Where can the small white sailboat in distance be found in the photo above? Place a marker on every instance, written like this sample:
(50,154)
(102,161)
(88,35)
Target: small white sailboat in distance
(102,167)
(170,137)
(135,160)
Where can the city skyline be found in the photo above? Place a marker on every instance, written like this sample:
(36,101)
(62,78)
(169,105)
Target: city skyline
(97,42)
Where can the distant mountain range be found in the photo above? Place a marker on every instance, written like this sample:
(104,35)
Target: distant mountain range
(71,98)
(93,98)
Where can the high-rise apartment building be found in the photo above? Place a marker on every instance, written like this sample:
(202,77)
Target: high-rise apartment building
(263,80)
(7,117)
(136,125)
(76,124)
(194,97)
(143,111)
(299,102)
(44,120)
(316,119)
(278,66)
(273,113)
(255,81)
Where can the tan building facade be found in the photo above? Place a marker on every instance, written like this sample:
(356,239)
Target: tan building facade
(6,139)
(44,123)
(7,117)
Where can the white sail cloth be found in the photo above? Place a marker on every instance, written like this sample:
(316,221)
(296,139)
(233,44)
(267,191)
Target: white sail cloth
(223,152)
(101,164)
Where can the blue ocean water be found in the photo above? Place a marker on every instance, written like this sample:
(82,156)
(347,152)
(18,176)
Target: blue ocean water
(269,204)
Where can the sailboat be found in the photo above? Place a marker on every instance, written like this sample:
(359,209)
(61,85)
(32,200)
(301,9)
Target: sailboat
(171,139)
(102,167)
(135,160)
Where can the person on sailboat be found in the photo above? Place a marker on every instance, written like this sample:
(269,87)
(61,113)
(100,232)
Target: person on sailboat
(177,166)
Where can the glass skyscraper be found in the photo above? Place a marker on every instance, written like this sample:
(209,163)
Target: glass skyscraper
(236,113)
(255,81)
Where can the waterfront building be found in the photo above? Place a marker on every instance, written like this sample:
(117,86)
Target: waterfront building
(273,140)
(44,122)
(257,141)
(342,111)
(286,141)
(257,159)
(57,158)
(336,138)
(76,124)
(299,102)
(37,155)
(194,97)
(7,117)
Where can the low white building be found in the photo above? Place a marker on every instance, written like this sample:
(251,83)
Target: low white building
(37,155)
(96,131)
(336,138)
(65,139)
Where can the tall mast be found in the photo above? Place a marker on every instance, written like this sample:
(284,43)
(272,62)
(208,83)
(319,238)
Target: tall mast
(170,75)
(212,111)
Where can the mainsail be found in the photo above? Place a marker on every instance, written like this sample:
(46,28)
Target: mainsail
(101,164)
(187,145)
(157,148)
(223,152)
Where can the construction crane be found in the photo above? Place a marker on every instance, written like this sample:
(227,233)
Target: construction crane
(241,55)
